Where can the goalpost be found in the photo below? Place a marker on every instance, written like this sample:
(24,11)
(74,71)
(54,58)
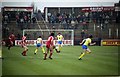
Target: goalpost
(32,35)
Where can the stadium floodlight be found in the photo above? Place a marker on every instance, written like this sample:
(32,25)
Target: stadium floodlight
(68,34)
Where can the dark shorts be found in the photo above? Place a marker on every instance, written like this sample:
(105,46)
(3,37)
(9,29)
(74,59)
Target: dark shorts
(39,45)
(59,42)
(84,47)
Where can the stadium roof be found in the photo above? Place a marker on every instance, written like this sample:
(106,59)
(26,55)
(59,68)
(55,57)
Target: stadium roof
(40,4)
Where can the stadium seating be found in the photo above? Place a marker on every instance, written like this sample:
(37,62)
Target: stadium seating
(97,29)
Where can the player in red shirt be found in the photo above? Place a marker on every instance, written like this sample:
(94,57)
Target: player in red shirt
(11,41)
(24,45)
(49,46)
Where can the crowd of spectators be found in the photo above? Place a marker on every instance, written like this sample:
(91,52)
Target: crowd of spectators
(68,20)
(22,19)
(84,18)
(99,17)
(6,19)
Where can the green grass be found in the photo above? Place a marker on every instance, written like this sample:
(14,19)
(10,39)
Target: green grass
(102,61)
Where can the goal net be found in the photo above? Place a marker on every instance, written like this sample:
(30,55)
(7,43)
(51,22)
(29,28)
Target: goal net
(32,35)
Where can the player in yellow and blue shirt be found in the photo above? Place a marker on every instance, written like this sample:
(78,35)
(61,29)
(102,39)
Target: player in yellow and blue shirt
(59,42)
(85,44)
(39,44)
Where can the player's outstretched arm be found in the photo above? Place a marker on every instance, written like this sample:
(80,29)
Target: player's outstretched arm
(93,43)
(82,42)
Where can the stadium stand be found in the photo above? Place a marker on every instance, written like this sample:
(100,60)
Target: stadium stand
(98,21)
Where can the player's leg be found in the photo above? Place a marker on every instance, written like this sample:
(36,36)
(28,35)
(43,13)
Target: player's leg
(88,51)
(43,50)
(56,49)
(10,44)
(47,50)
(60,49)
(59,46)
(51,52)
(84,47)
(36,50)
(82,54)
(25,51)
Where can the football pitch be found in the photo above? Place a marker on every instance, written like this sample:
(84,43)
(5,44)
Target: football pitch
(102,61)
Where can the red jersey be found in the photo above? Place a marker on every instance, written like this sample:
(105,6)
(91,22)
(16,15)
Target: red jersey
(12,37)
(24,38)
(50,41)
(24,41)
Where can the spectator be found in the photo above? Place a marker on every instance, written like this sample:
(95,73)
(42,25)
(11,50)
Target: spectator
(76,24)
(60,19)
(6,18)
(17,19)
(21,23)
(25,21)
(82,34)
(25,18)
(78,18)
(84,23)
(73,24)
(65,26)
(33,19)
(52,19)
(106,23)
(39,15)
